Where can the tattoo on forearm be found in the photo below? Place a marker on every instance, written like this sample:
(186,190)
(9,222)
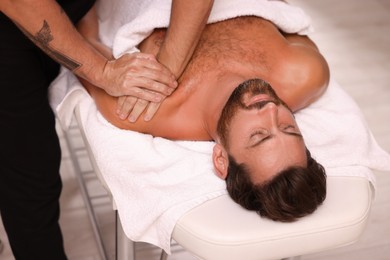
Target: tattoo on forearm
(44,35)
(42,39)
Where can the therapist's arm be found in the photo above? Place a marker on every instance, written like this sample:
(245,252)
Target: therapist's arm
(187,22)
(47,25)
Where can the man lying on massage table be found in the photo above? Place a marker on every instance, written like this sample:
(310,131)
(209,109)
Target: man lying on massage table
(223,95)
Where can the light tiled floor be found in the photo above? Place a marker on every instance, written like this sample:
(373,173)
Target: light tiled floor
(354,36)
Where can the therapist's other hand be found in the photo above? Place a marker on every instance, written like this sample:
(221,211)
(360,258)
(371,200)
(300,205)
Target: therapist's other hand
(138,75)
(131,108)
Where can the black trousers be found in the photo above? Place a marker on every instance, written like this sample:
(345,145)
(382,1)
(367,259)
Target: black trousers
(30,155)
(30,183)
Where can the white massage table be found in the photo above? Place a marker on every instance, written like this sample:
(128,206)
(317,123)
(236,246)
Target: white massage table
(221,229)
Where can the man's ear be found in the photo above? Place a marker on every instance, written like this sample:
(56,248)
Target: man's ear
(220,161)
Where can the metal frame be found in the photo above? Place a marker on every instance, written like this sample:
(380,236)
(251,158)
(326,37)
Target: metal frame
(70,135)
(124,247)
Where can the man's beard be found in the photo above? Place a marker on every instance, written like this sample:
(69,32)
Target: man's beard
(251,88)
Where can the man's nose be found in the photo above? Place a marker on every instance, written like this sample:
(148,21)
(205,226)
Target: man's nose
(271,110)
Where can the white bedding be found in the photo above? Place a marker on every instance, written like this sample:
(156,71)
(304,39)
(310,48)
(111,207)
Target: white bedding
(154,181)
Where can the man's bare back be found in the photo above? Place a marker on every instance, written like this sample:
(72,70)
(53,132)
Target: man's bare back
(229,53)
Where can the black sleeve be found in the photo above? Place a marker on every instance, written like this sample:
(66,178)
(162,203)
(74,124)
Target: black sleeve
(76,9)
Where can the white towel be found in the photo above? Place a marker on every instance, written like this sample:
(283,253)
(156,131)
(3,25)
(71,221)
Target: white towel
(337,135)
(124,24)
(155,181)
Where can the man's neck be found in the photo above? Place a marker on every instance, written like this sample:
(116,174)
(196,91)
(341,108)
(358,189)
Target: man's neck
(216,98)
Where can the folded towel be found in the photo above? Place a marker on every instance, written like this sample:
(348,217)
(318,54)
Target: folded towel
(154,181)
(338,136)
(124,24)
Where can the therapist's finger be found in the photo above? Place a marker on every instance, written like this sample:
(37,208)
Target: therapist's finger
(159,71)
(151,110)
(148,73)
(154,81)
(132,74)
(138,108)
(145,87)
(125,105)
(142,93)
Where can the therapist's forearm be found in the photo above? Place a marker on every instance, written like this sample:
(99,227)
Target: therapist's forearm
(48,26)
(187,22)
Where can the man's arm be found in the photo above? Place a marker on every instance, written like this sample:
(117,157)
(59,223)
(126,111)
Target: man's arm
(47,25)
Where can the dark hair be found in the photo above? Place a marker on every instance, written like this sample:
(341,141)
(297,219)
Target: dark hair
(293,193)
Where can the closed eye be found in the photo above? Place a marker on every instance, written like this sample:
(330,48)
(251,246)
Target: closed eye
(259,137)
(288,127)
(291,129)
(257,133)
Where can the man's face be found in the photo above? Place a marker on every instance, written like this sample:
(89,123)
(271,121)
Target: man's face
(258,129)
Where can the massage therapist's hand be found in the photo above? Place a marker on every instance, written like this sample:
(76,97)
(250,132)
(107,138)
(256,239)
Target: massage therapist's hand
(131,108)
(146,82)
(138,75)
(150,83)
